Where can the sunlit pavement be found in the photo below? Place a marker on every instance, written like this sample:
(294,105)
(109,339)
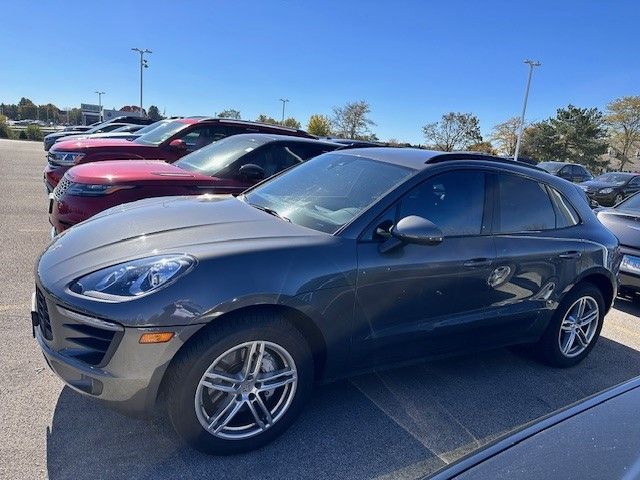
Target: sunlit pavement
(398,423)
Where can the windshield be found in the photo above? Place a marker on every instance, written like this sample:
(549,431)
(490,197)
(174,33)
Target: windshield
(328,191)
(104,127)
(161,133)
(631,203)
(551,167)
(217,156)
(617,178)
(152,126)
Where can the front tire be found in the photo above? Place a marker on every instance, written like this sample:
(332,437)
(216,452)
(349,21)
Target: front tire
(239,384)
(574,327)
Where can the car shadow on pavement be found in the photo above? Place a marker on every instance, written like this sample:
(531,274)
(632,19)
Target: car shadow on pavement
(401,423)
(627,305)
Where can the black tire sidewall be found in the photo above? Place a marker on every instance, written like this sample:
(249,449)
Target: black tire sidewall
(548,348)
(187,375)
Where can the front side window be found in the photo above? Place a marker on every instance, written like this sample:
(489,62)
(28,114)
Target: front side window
(453,201)
(216,159)
(329,191)
(524,205)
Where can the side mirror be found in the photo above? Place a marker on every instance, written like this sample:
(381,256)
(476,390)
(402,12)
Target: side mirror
(178,144)
(413,229)
(251,171)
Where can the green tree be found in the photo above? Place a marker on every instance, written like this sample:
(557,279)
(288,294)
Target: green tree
(455,131)
(540,143)
(352,120)
(5,131)
(291,123)
(27,109)
(319,125)
(154,113)
(623,120)
(262,118)
(581,135)
(230,113)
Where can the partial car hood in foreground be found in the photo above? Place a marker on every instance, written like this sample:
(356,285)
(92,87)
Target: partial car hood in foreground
(625,224)
(204,226)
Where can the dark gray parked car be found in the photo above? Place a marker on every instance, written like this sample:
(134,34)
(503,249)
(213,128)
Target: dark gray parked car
(228,309)
(594,439)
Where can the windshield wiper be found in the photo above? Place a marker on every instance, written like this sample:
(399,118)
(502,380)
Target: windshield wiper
(270,211)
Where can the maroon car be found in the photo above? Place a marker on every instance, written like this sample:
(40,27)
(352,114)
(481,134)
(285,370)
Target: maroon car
(168,142)
(228,166)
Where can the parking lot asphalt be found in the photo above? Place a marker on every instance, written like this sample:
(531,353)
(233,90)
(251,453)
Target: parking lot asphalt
(398,423)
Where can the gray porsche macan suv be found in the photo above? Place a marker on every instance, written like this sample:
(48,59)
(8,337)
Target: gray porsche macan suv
(226,310)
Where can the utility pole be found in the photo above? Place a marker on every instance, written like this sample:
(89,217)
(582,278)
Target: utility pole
(284,102)
(531,64)
(100,102)
(143,65)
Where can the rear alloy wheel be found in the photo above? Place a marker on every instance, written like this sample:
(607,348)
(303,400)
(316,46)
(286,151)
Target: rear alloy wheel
(574,328)
(239,384)
(579,326)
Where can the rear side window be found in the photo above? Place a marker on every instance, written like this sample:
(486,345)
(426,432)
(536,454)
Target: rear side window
(524,205)
(453,201)
(566,215)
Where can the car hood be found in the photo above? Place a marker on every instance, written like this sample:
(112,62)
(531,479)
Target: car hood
(204,226)
(597,184)
(134,171)
(90,143)
(625,224)
(56,135)
(95,136)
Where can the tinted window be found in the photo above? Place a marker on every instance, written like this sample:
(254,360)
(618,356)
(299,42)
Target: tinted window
(566,215)
(453,201)
(272,158)
(524,205)
(635,182)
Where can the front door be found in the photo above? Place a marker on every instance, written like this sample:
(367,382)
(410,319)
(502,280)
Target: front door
(418,300)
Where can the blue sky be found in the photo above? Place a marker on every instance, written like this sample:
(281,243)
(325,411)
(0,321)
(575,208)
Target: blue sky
(411,60)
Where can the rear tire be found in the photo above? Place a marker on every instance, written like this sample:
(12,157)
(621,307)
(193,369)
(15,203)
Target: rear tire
(239,357)
(554,347)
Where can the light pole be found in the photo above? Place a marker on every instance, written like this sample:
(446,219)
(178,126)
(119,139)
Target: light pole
(531,64)
(100,102)
(143,65)
(284,102)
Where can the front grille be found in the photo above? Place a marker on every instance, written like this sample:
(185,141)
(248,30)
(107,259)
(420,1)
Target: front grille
(43,316)
(61,188)
(87,343)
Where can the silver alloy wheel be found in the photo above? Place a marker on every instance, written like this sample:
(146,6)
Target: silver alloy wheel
(618,198)
(579,326)
(246,390)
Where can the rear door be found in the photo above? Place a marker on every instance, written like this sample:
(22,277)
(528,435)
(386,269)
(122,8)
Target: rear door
(537,252)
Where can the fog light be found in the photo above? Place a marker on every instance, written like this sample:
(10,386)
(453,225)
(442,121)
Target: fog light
(155,337)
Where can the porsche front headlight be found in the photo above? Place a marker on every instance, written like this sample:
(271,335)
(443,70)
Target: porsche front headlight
(133,279)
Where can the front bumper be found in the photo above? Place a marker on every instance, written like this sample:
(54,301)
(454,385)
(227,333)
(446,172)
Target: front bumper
(606,200)
(52,175)
(128,377)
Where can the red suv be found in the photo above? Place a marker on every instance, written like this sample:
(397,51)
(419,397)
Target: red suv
(228,166)
(168,142)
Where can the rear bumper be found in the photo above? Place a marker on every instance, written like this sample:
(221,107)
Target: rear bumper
(130,379)
(629,281)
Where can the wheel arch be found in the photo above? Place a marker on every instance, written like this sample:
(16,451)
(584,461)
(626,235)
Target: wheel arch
(301,322)
(602,279)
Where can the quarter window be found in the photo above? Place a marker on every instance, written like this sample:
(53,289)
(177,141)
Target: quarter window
(566,215)
(524,205)
(453,201)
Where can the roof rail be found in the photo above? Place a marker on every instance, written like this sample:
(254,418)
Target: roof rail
(445,157)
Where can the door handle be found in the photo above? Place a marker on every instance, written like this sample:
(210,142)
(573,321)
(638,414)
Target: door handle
(570,255)
(477,262)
